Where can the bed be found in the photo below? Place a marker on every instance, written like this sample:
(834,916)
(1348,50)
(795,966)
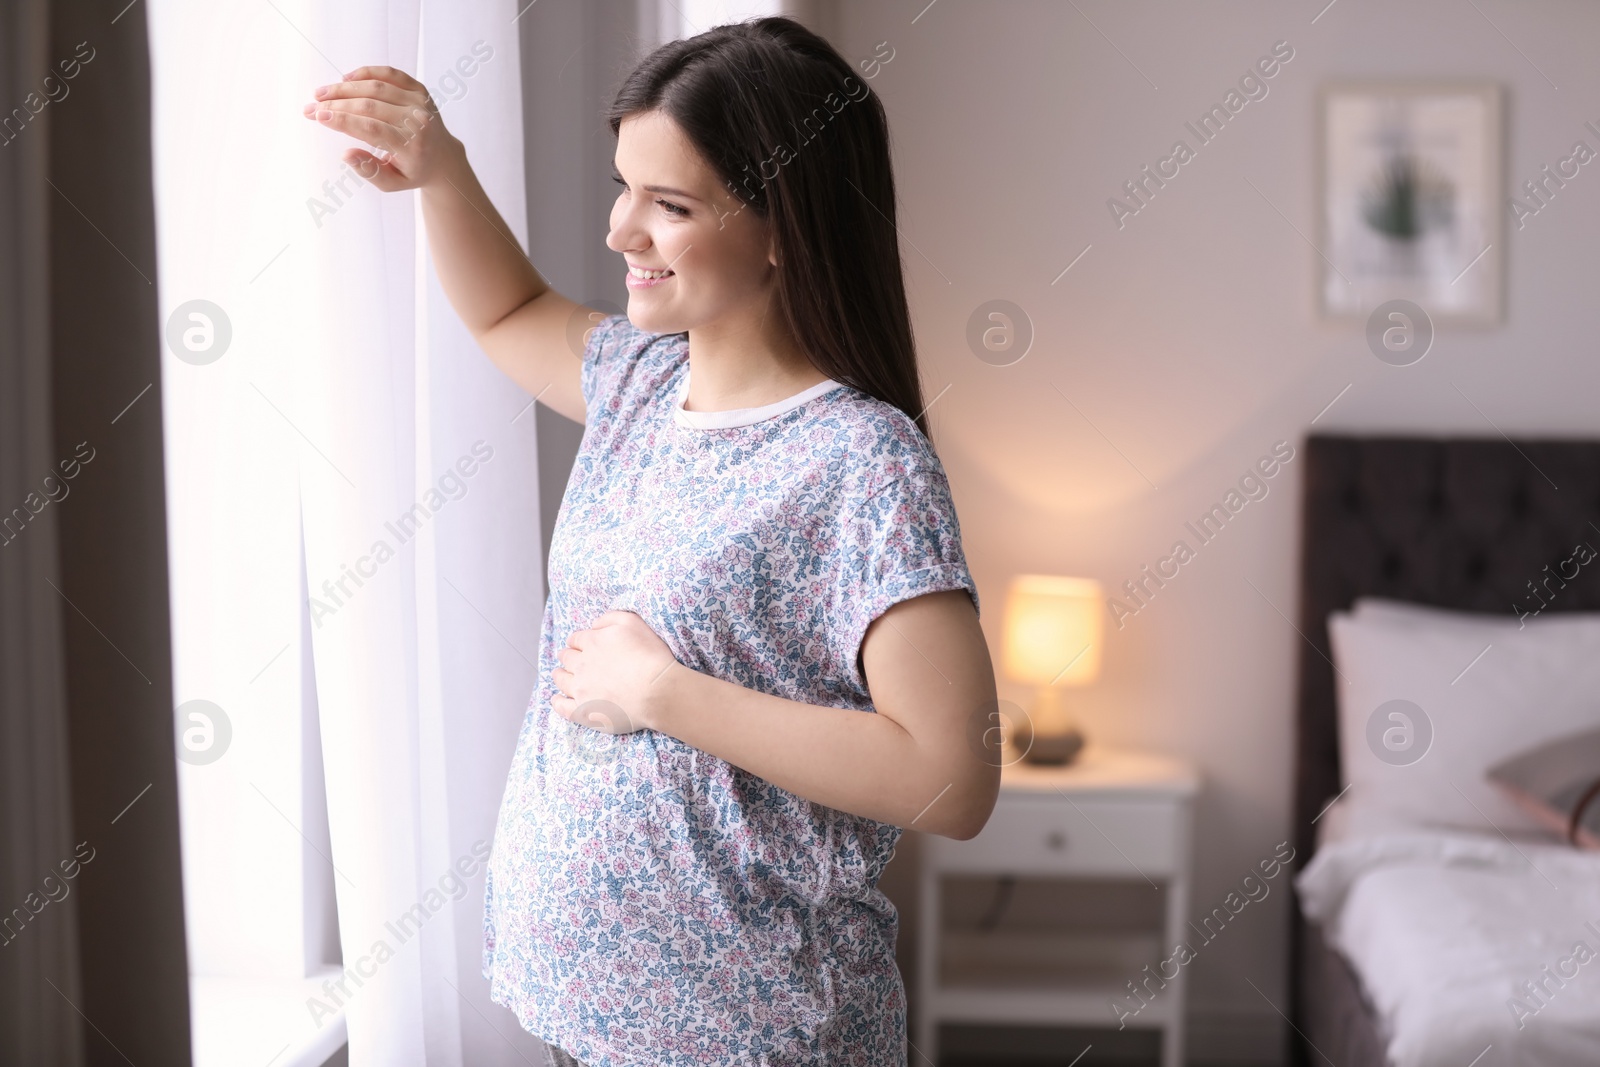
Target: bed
(1460,524)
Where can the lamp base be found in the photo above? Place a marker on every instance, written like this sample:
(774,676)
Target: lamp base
(1046,735)
(1051,750)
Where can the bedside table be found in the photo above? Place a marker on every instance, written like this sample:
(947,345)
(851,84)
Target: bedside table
(1110,816)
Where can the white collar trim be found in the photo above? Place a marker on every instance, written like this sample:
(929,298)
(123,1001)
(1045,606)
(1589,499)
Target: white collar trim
(721,420)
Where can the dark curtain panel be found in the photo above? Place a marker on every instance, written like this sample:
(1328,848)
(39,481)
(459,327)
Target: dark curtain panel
(37,944)
(88,755)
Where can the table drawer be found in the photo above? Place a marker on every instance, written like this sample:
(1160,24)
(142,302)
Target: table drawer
(1028,835)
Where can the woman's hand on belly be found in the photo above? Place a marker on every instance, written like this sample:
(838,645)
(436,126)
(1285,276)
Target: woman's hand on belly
(608,674)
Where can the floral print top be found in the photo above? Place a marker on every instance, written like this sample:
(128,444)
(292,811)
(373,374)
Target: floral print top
(651,905)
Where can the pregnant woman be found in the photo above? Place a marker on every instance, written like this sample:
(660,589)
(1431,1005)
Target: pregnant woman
(760,657)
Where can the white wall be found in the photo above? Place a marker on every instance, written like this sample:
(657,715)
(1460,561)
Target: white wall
(1190,339)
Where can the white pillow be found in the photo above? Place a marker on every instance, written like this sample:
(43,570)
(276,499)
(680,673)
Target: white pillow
(1372,607)
(1486,687)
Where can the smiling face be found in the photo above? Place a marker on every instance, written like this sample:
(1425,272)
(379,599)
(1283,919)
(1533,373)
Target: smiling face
(674,213)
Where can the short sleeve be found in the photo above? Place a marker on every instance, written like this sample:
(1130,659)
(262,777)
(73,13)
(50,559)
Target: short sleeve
(603,354)
(900,541)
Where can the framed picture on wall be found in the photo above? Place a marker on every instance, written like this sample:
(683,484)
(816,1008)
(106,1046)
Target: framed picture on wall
(1410,199)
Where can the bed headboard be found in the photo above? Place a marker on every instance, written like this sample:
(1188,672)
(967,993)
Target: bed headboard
(1461,523)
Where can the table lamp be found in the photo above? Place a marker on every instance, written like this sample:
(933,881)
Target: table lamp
(1053,628)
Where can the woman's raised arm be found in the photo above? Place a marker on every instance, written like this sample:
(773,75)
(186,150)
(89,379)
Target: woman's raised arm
(523,325)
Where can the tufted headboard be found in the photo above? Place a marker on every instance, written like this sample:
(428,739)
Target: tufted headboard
(1464,523)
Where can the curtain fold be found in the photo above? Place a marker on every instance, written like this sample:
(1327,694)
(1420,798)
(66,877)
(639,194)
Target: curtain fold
(421,557)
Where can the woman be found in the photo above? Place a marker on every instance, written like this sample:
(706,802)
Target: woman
(756,546)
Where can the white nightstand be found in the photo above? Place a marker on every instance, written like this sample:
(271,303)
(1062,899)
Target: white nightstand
(1112,815)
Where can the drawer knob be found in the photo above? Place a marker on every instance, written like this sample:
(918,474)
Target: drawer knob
(1056,840)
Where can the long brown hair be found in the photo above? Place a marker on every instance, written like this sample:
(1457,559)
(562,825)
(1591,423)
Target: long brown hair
(801,141)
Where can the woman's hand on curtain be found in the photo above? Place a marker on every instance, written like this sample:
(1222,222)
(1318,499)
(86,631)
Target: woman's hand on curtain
(392,111)
(608,674)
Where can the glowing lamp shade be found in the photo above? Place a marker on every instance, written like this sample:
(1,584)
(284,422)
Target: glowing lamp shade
(1053,628)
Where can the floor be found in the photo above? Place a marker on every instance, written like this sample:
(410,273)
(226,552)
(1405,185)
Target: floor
(974,1046)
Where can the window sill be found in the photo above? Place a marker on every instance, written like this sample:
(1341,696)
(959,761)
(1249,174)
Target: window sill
(253,1022)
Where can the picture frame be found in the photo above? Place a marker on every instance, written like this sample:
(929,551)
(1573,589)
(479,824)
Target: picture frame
(1410,199)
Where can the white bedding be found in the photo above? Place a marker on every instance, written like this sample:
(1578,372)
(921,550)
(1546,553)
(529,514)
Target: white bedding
(1442,926)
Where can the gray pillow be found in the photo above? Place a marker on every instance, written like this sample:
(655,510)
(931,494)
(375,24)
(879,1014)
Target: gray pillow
(1552,780)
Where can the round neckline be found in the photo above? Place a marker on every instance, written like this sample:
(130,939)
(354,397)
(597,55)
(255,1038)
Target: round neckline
(722,420)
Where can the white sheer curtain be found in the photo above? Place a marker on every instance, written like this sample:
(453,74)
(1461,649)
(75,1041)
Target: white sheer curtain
(349,435)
